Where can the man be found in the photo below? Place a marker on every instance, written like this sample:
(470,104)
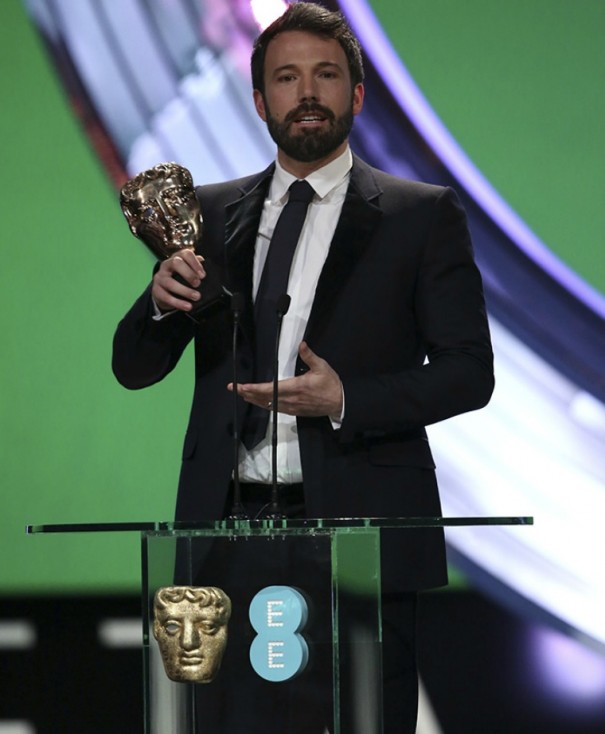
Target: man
(386,332)
(190,625)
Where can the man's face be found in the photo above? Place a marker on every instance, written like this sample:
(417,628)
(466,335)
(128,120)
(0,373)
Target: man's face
(165,215)
(191,641)
(308,103)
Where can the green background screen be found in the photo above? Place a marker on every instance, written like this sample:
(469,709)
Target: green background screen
(521,85)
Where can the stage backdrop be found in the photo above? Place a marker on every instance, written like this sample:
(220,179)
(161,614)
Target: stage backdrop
(520,84)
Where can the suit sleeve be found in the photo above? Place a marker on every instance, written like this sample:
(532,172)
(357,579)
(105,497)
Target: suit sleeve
(144,350)
(452,330)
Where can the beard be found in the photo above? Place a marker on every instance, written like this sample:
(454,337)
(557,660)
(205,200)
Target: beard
(311,145)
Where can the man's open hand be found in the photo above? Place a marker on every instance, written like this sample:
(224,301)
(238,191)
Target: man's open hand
(318,392)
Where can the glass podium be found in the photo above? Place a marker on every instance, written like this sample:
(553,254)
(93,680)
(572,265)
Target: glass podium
(264,625)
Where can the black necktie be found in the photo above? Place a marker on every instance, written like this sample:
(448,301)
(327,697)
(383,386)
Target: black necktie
(273,284)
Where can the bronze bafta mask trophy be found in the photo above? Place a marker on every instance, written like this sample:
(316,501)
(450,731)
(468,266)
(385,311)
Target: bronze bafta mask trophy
(162,210)
(190,625)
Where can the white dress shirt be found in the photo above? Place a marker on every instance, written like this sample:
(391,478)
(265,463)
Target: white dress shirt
(330,185)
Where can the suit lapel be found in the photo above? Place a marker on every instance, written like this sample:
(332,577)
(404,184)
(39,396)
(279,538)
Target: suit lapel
(242,218)
(358,220)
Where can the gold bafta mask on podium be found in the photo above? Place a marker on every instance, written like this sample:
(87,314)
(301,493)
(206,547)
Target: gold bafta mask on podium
(162,210)
(190,625)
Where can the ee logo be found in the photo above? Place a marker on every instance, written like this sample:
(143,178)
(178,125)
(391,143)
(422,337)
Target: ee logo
(278,614)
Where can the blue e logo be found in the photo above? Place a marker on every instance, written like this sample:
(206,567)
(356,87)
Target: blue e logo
(279,651)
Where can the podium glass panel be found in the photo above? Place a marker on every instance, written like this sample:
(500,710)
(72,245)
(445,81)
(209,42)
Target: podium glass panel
(276,675)
(300,633)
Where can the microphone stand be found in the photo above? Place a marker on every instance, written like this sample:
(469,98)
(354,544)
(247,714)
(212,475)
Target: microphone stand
(275,513)
(238,511)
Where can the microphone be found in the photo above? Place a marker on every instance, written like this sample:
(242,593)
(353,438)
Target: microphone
(238,511)
(283,304)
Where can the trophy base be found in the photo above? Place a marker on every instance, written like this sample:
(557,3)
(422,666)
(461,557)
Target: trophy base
(214,295)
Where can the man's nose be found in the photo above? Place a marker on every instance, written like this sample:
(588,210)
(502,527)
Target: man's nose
(159,209)
(166,207)
(190,637)
(308,90)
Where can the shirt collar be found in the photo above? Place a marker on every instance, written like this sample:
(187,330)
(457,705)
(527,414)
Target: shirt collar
(323,181)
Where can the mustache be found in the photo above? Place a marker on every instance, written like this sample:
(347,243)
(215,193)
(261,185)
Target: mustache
(307,108)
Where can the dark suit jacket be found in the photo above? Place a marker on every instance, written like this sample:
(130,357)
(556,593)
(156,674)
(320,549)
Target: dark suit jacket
(399,285)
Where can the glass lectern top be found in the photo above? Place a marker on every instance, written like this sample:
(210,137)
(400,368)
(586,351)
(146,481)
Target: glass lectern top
(312,525)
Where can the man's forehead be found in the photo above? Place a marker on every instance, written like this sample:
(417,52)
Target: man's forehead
(291,47)
(188,609)
(154,186)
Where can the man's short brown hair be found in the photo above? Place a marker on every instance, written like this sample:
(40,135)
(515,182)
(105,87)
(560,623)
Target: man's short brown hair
(310,18)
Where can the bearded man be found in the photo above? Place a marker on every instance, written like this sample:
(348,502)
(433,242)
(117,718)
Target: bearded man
(386,332)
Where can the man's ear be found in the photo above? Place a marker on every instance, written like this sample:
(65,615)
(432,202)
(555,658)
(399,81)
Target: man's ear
(259,104)
(358,96)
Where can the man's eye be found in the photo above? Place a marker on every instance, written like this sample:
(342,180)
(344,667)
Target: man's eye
(178,196)
(208,629)
(172,628)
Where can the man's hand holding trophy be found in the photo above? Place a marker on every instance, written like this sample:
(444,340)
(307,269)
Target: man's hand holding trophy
(163,211)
